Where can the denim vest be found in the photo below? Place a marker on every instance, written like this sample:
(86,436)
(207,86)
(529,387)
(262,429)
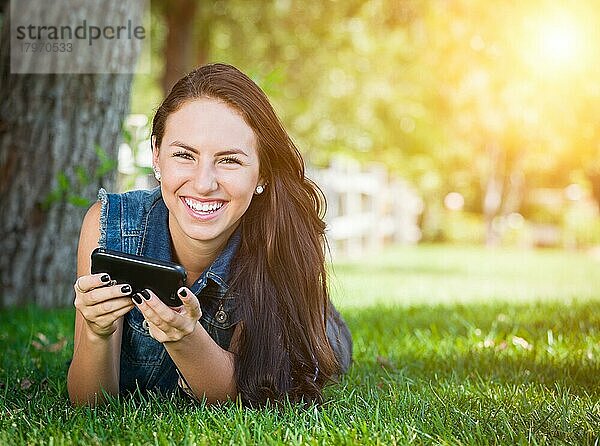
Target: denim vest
(136,222)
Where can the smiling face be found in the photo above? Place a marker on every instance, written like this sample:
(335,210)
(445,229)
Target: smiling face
(208,161)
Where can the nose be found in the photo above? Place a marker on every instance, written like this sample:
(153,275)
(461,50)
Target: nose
(205,179)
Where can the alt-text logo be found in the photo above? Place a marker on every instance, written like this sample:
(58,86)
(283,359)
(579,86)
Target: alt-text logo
(79,36)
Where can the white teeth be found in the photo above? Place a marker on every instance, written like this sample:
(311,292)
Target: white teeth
(203,207)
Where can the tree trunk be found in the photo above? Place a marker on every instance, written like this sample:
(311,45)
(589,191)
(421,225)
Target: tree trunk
(494,187)
(515,191)
(59,137)
(593,176)
(179,47)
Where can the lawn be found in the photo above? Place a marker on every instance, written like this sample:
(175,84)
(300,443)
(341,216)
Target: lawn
(452,346)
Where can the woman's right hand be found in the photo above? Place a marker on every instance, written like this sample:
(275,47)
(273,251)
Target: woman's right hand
(102,303)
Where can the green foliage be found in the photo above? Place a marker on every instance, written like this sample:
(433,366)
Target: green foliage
(271,82)
(70,189)
(581,227)
(107,164)
(462,228)
(452,346)
(82,175)
(59,193)
(459,90)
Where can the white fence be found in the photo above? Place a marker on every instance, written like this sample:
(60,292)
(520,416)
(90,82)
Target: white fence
(365,208)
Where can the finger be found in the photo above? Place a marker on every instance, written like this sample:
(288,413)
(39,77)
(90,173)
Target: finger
(104,308)
(98,301)
(156,333)
(190,302)
(91,281)
(111,305)
(149,304)
(155,311)
(104,294)
(109,318)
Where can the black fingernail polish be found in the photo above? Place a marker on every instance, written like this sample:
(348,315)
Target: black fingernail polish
(183,293)
(145,294)
(105,278)
(137,298)
(125,289)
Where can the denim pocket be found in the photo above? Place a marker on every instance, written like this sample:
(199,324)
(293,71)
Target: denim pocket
(220,333)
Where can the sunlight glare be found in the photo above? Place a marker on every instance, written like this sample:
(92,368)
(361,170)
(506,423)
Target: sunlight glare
(560,42)
(557,43)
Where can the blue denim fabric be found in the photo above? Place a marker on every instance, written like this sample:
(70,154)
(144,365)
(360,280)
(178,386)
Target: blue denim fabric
(136,222)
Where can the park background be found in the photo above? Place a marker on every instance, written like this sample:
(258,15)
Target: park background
(457,142)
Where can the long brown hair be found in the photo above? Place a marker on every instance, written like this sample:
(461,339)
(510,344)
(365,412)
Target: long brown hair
(279,270)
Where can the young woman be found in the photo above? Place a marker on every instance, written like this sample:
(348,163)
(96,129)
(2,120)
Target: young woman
(235,209)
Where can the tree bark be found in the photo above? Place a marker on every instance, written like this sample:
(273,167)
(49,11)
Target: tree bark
(51,126)
(179,47)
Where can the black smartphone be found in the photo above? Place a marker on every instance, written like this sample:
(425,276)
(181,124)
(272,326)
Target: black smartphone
(163,278)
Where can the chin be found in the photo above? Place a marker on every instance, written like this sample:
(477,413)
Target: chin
(207,235)
(204,236)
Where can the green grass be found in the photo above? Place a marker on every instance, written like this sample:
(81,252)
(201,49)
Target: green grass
(452,346)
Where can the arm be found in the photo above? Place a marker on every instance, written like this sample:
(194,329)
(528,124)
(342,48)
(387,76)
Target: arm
(98,324)
(207,368)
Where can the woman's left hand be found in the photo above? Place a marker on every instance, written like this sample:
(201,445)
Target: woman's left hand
(170,324)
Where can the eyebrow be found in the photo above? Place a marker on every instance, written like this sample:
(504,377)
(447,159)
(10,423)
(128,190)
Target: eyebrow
(231,151)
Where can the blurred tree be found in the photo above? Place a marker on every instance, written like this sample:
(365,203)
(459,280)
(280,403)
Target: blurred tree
(454,95)
(344,76)
(514,108)
(58,144)
(179,16)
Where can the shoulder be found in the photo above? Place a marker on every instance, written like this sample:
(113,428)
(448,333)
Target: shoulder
(93,213)
(130,202)
(91,220)
(125,212)
(140,196)
(88,237)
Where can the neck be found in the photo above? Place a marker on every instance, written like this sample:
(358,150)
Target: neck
(195,255)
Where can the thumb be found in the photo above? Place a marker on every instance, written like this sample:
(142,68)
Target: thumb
(190,302)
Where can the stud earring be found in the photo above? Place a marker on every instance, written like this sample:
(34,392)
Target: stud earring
(156,174)
(259,189)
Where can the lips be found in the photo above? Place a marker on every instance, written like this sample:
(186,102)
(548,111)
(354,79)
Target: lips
(204,208)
